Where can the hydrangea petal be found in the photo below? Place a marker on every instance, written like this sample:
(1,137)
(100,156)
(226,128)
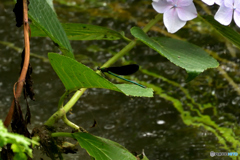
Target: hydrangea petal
(237,5)
(161,6)
(187,13)
(219,2)
(229,3)
(182,3)
(224,15)
(208,2)
(237,17)
(172,21)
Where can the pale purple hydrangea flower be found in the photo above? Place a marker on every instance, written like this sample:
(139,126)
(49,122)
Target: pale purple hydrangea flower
(228,9)
(175,12)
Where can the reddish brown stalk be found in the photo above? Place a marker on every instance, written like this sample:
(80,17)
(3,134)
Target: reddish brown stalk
(21,79)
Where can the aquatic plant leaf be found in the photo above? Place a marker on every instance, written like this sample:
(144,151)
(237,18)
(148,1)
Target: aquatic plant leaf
(45,19)
(75,75)
(79,31)
(183,54)
(226,31)
(101,148)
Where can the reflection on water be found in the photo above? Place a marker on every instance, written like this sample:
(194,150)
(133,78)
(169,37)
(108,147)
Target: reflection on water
(152,124)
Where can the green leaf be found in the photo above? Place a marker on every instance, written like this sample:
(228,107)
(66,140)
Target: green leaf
(101,148)
(19,142)
(44,17)
(17,148)
(75,75)
(3,139)
(183,54)
(78,31)
(50,2)
(20,156)
(134,90)
(226,31)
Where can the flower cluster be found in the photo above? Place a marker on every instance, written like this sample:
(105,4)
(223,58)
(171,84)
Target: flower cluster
(177,12)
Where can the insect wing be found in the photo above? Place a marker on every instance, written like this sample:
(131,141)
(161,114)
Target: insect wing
(124,70)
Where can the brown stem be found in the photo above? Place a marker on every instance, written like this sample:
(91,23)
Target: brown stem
(21,79)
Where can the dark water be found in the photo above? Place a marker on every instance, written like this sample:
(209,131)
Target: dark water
(152,124)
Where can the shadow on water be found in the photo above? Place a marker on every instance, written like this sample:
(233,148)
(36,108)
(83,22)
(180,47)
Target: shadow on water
(152,124)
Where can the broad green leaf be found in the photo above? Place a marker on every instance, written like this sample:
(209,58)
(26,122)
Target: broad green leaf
(101,148)
(75,75)
(79,31)
(226,31)
(44,17)
(183,54)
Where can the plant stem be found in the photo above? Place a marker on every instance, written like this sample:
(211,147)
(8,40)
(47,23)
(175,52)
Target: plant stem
(61,112)
(62,134)
(72,125)
(131,44)
(119,54)
(22,77)
(157,18)
(69,123)
(61,101)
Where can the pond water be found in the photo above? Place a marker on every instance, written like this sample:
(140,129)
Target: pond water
(154,125)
